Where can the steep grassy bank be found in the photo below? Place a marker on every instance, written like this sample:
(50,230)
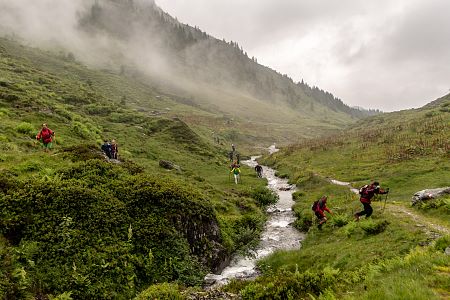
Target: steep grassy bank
(387,256)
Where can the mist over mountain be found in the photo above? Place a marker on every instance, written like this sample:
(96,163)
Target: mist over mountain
(138,39)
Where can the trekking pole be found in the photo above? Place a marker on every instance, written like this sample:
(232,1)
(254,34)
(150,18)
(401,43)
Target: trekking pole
(385,200)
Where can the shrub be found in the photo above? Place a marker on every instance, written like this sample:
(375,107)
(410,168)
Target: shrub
(442,243)
(26,128)
(304,220)
(102,110)
(161,291)
(339,220)
(374,227)
(62,112)
(104,233)
(4,112)
(291,285)
(264,196)
(81,130)
(350,228)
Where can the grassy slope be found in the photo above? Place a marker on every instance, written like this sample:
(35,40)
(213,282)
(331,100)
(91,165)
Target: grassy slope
(407,151)
(84,106)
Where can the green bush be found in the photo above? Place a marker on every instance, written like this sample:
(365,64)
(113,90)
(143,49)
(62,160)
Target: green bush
(102,232)
(372,227)
(62,112)
(163,291)
(350,228)
(435,204)
(304,219)
(442,243)
(264,196)
(95,109)
(339,220)
(4,112)
(291,285)
(26,128)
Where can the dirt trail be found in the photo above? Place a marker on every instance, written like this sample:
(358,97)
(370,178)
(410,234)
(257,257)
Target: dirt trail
(421,221)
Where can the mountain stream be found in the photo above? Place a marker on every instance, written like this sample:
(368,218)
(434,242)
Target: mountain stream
(278,232)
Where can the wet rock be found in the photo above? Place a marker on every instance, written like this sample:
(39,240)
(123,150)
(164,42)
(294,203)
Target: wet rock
(213,295)
(425,195)
(285,188)
(210,279)
(168,165)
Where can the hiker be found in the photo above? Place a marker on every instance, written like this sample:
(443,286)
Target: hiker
(236,172)
(114,149)
(106,147)
(238,158)
(367,192)
(259,171)
(230,155)
(319,207)
(233,147)
(47,135)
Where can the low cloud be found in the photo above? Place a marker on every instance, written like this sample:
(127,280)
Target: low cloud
(380,54)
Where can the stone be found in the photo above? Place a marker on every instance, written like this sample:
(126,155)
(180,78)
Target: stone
(168,165)
(425,195)
(447,251)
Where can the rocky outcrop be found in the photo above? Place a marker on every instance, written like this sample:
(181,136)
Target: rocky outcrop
(425,195)
(168,165)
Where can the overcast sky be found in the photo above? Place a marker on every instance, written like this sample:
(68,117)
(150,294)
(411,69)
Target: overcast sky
(386,54)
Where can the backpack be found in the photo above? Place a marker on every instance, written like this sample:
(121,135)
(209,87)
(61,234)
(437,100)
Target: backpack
(362,190)
(315,205)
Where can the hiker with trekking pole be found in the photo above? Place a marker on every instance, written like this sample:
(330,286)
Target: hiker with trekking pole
(319,207)
(47,136)
(367,192)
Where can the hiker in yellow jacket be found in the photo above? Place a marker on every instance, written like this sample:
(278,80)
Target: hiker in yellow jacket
(237,173)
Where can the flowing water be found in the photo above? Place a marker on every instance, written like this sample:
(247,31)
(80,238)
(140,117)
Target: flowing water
(278,232)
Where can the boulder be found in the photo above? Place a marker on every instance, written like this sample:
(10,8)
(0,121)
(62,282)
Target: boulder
(168,165)
(424,195)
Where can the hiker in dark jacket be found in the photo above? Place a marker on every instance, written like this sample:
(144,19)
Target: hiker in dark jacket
(259,171)
(367,193)
(46,135)
(107,148)
(319,207)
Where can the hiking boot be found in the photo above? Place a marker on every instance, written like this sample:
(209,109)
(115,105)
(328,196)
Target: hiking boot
(356,217)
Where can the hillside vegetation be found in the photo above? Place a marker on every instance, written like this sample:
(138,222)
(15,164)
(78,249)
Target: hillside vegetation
(76,225)
(398,253)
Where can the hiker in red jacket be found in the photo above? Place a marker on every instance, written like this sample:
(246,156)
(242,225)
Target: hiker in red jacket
(46,134)
(319,207)
(367,192)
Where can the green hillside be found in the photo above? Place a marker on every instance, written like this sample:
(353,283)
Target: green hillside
(73,223)
(398,253)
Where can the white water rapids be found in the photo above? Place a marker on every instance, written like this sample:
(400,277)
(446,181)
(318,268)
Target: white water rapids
(278,232)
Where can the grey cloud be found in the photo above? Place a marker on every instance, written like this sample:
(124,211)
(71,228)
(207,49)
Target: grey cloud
(381,54)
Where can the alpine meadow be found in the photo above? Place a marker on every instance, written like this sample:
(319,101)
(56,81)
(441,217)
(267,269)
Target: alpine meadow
(135,164)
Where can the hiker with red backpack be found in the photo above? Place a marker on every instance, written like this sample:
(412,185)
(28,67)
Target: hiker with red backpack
(319,207)
(46,135)
(367,192)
